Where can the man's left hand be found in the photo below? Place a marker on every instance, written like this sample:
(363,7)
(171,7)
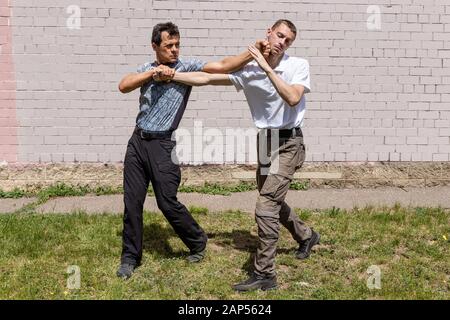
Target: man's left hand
(259,58)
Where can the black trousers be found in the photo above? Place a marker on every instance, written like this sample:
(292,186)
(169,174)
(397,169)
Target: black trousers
(149,160)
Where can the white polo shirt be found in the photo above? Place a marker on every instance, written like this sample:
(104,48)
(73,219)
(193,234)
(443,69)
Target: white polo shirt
(268,109)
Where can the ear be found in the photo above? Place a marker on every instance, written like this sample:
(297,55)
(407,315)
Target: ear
(269,31)
(154,46)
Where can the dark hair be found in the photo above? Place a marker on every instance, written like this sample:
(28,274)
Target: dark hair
(288,23)
(169,27)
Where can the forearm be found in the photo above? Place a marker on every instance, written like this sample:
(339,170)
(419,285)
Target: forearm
(228,64)
(234,63)
(192,78)
(288,93)
(201,78)
(134,81)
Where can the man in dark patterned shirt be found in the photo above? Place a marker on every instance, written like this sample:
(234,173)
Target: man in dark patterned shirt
(148,156)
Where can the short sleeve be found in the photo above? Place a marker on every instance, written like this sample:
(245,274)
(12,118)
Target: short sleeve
(192,65)
(144,67)
(237,79)
(301,76)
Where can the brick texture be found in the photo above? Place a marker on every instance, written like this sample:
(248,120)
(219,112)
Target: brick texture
(8,119)
(377,94)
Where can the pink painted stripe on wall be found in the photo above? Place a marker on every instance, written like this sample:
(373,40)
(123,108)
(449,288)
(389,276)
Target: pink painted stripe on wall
(8,119)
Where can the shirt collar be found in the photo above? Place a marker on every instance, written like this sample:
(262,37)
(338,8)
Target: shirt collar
(172,65)
(282,64)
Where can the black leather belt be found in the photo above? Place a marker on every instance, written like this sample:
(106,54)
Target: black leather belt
(152,135)
(285,133)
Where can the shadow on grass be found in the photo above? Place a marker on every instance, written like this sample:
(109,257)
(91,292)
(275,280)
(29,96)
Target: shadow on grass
(156,240)
(241,240)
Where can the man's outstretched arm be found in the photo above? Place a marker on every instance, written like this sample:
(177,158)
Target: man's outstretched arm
(202,79)
(234,63)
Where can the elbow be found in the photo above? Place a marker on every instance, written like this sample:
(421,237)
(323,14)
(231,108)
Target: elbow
(293,102)
(123,88)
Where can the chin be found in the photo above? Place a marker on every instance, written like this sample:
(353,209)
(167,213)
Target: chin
(278,52)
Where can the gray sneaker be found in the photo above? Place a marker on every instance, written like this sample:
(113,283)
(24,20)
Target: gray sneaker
(126,270)
(196,257)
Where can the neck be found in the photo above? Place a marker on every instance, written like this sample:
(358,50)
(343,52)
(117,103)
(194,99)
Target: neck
(274,60)
(158,61)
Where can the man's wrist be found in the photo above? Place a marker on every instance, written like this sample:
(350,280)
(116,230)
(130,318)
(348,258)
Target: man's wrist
(248,57)
(151,73)
(269,71)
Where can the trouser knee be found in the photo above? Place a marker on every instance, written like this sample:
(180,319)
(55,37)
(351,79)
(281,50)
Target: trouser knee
(266,205)
(268,227)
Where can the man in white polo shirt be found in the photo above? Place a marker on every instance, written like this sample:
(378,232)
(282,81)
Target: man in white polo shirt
(275,93)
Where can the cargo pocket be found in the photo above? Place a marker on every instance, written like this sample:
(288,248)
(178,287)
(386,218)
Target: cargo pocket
(275,187)
(285,162)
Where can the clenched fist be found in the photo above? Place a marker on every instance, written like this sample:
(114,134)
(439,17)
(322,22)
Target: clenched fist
(163,73)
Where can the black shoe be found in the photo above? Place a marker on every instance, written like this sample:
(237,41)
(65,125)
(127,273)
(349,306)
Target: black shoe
(126,270)
(196,257)
(304,250)
(256,282)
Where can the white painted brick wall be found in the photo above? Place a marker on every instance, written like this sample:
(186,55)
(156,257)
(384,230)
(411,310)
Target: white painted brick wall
(377,95)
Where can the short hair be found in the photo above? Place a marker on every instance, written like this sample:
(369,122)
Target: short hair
(169,27)
(288,23)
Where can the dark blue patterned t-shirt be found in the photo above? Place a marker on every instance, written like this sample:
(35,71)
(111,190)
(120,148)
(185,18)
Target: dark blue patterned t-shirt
(161,104)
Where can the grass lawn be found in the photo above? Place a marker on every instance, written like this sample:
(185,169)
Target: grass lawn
(408,245)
